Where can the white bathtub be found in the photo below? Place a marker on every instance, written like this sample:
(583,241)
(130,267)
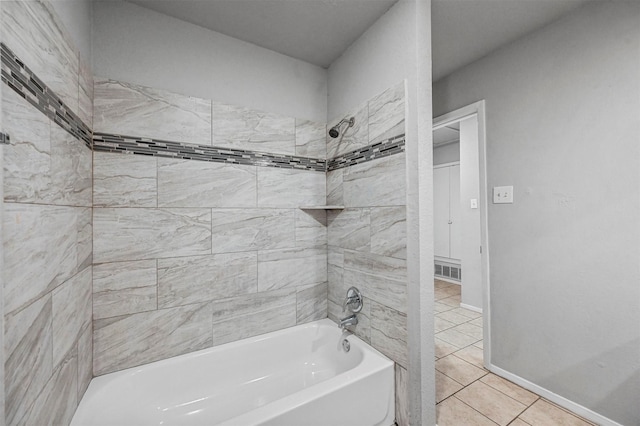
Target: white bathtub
(297,376)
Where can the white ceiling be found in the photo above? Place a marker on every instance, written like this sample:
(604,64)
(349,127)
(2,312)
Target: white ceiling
(445,135)
(319,31)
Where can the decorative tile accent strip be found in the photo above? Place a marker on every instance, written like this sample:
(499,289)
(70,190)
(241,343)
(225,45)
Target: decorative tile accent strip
(392,146)
(136,145)
(21,79)
(24,82)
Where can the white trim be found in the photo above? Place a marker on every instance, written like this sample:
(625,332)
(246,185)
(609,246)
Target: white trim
(439,166)
(553,397)
(447,280)
(478,108)
(471,308)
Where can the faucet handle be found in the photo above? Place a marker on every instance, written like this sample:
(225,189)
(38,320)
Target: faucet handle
(353,300)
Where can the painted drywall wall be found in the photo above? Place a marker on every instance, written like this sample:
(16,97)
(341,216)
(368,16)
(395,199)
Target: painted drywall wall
(397,47)
(446,154)
(563,128)
(375,62)
(140,46)
(77,18)
(470,218)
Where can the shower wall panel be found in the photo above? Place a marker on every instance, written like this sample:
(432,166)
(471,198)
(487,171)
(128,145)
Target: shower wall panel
(47,229)
(367,240)
(192,253)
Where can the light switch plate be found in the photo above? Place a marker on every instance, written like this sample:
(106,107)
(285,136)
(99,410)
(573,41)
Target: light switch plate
(474,203)
(503,195)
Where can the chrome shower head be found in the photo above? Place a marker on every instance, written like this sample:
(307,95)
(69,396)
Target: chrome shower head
(334,132)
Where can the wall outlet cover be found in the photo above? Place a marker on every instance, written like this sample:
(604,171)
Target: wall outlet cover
(503,195)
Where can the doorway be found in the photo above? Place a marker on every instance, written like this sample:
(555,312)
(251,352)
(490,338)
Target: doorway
(461,249)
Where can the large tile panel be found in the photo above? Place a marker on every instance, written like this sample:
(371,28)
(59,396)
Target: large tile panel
(350,229)
(44,163)
(311,139)
(187,280)
(250,315)
(335,195)
(311,228)
(187,183)
(235,230)
(386,114)
(122,288)
(379,182)
(137,234)
(57,402)
(28,362)
(52,240)
(85,94)
(85,360)
(291,268)
(71,313)
(27,160)
(128,109)
(389,231)
(243,128)
(382,278)
(33,32)
(311,303)
(389,332)
(70,168)
(130,340)
(124,180)
(290,188)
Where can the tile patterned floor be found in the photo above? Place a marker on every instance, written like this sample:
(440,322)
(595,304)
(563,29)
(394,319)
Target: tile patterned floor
(469,395)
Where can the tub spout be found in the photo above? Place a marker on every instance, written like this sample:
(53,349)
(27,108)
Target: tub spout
(348,321)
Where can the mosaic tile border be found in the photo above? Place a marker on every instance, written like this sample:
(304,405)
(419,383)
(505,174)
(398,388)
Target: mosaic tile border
(26,84)
(105,142)
(394,145)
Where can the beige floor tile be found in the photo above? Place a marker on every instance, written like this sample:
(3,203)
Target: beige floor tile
(472,355)
(443,348)
(543,413)
(457,319)
(478,322)
(441,307)
(479,344)
(439,283)
(443,293)
(518,422)
(453,301)
(459,370)
(445,386)
(510,389)
(442,324)
(468,313)
(453,412)
(455,338)
(491,403)
(470,330)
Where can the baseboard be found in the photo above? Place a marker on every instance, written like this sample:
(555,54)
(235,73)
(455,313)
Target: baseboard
(555,398)
(471,308)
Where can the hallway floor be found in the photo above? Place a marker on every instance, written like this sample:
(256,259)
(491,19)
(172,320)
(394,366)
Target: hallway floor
(466,393)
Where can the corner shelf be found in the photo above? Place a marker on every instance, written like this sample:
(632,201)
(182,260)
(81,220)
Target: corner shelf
(321,207)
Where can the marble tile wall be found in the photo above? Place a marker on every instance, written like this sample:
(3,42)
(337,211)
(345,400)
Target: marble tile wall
(47,223)
(367,240)
(190,254)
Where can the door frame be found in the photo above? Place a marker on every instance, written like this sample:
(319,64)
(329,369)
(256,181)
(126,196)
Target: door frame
(478,109)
